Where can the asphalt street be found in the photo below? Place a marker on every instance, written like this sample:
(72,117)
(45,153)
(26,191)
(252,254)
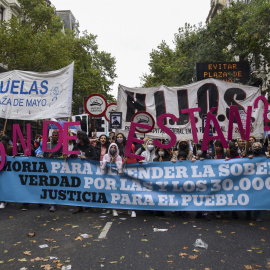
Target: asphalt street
(39,239)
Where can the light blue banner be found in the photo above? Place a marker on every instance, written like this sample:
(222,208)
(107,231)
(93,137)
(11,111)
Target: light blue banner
(238,184)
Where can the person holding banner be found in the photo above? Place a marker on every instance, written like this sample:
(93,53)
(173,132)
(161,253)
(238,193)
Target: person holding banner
(121,144)
(87,152)
(249,144)
(241,147)
(56,154)
(162,155)
(101,146)
(182,146)
(142,147)
(149,152)
(52,144)
(112,157)
(8,149)
(256,151)
(198,153)
(218,154)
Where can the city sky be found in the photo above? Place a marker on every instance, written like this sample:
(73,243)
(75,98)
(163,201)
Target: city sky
(130,29)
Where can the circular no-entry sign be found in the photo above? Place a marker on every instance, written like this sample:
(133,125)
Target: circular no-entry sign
(112,107)
(95,105)
(143,118)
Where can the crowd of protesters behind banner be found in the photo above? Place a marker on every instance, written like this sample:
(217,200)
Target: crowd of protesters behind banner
(110,148)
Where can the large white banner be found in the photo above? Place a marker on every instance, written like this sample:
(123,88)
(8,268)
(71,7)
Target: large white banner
(27,95)
(204,94)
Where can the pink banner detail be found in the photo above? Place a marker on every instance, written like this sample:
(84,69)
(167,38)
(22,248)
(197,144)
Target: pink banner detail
(191,112)
(265,110)
(244,133)
(45,138)
(131,139)
(3,156)
(66,137)
(166,130)
(207,137)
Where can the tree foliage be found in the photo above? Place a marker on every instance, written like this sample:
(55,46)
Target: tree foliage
(241,32)
(37,42)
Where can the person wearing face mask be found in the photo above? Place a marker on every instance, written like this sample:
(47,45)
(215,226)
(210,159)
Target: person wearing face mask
(142,147)
(198,153)
(112,157)
(121,144)
(162,154)
(149,152)
(182,146)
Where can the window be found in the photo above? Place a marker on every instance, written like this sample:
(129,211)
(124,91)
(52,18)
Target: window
(1,14)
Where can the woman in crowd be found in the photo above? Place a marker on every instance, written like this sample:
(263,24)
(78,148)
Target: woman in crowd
(121,143)
(101,146)
(241,147)
(142,148)
(112,157)
(149,152)
(162,155)
(182,146)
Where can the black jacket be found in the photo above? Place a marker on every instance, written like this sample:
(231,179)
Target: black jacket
(88,149)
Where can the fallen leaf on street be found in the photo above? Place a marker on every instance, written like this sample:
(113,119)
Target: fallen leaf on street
(22,260)
(31,234)
(193,257)
(56,230)
(27,253)
(78,238)
(46,267)
(49,239)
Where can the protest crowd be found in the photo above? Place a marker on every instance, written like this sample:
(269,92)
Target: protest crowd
(110,148)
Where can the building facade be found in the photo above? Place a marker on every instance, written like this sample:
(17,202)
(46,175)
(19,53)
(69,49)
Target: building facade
(69,20)
(8,9)
(217,5)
